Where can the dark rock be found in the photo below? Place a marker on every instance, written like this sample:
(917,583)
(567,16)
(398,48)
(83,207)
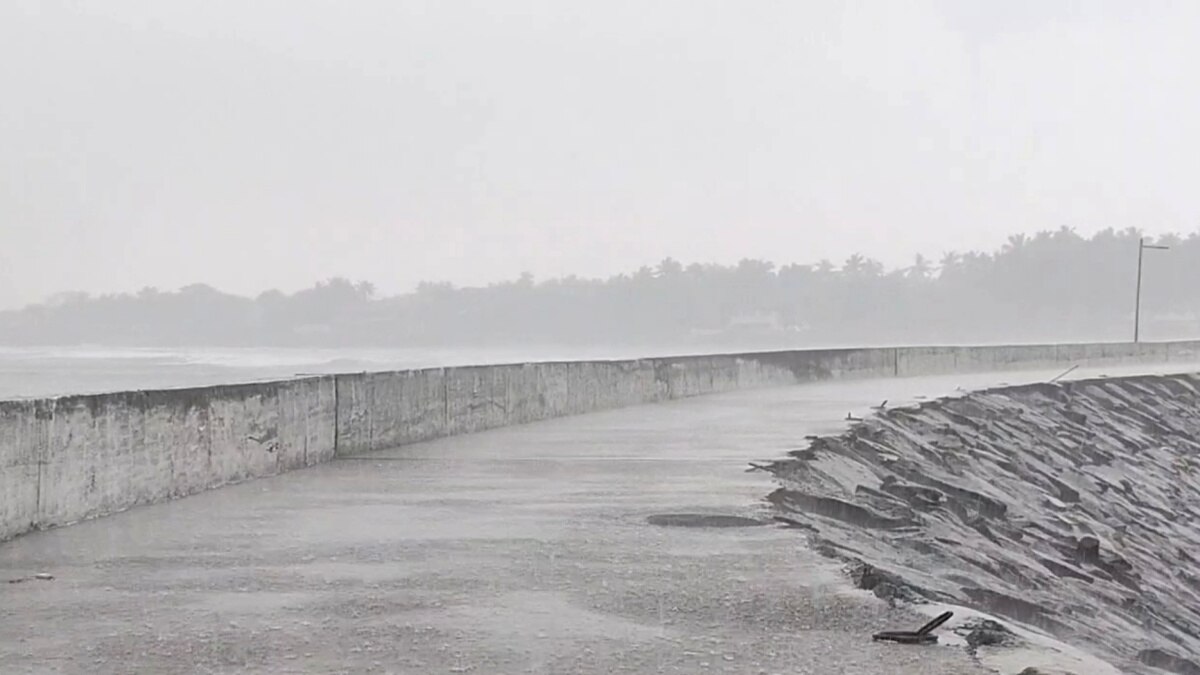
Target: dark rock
(1169,662)
(1087,550)
(1061,570)
(980,525)
(984,505)
(988,633)
(1121,571)
(1066,493)
(806,454)
(866,576)
(917,496)
(837,509)
(1117,565)
(1188,578)
(1015,608)
(885,585)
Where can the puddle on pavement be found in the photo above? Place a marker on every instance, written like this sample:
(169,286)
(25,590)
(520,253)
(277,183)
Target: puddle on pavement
(701,520)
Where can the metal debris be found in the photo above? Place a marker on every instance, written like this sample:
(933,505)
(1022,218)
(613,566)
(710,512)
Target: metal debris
(920,636)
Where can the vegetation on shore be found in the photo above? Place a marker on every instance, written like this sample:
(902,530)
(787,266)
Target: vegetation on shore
(1051,286)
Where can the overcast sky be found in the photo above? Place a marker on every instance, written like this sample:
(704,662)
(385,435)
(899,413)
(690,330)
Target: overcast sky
(258,144)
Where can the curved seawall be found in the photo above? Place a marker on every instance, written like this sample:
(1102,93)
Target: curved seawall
(1072,507)
(76,457)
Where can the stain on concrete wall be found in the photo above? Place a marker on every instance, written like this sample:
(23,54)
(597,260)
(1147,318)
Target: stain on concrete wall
(381,410)
(20,452)
(78,457)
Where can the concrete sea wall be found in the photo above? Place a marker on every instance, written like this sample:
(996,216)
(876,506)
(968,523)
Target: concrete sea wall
(77,457)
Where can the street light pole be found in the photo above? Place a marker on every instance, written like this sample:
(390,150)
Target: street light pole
(1137,307)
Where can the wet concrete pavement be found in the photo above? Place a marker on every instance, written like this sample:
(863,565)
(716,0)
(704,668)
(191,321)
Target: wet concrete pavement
(521,550)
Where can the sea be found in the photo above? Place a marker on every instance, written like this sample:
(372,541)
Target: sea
(45,372)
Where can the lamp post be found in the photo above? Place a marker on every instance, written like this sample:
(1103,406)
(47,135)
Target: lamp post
(1137,307)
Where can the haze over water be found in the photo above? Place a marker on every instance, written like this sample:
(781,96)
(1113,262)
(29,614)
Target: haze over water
(260,145)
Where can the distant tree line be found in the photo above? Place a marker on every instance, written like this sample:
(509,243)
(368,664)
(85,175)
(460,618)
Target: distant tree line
(1052,286)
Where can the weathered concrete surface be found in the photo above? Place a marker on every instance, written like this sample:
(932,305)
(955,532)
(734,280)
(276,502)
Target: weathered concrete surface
(520,550)
(87,456)
(73,458)
(20,450)
(938,360)
(380,410)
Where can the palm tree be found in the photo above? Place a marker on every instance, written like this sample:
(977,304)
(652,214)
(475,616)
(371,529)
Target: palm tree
(951,261)
(365,289)
(920,269)
(854,265)
(669,267)
(1015,243)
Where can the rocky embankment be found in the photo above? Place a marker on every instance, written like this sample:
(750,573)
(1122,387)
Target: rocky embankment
(1073,508)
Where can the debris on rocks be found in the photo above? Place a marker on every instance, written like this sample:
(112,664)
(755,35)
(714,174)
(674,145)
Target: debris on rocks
(40,576)
(987,633)
(884,585)
(921,636)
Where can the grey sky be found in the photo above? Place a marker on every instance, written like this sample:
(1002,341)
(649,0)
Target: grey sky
(269,144)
